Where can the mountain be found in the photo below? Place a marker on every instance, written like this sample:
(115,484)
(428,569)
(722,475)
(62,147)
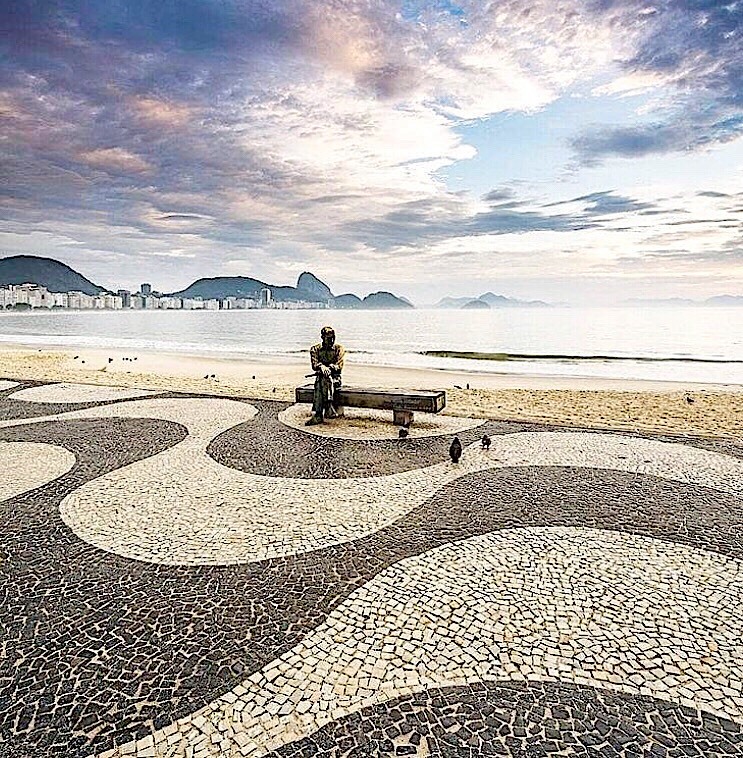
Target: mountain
(491,299)
(453,302)
(308,282)
(384,301)
(476,305)
(222,286)
(46,272)
(348,300)
(501,301)
(725,300)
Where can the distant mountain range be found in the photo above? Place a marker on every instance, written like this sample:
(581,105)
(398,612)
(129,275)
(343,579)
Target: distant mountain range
(46,272)
(58,277)
(489,300)
(721,301)
(309,288)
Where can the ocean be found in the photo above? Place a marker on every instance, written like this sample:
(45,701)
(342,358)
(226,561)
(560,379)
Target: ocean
(680,344)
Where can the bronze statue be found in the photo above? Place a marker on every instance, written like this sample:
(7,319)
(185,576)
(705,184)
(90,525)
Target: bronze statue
(327,363)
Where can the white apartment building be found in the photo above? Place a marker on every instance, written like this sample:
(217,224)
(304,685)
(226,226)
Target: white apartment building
(26,294)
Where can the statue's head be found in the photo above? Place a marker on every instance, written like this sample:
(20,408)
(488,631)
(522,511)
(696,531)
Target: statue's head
(328,336)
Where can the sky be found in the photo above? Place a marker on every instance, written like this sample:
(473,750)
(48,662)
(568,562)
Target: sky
(584,151)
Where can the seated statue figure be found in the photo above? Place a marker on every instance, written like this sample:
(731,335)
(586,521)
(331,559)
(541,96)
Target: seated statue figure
(327,363)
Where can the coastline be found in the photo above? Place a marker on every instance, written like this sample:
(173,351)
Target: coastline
(634,405)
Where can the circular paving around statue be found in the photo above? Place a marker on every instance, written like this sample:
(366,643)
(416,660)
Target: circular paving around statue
(369,424)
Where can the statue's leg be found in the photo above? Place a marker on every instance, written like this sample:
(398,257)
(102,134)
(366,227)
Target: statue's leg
(337,408)
(318,398)
(329,389)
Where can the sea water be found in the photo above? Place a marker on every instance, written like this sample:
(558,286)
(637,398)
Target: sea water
(694,344)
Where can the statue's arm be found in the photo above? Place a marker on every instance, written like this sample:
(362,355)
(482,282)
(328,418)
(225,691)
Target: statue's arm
(340,358)
(315,358)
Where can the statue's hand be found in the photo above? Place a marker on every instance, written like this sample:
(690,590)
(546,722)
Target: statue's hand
(325,370)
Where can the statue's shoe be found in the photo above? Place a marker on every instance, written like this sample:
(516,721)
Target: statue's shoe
(331,412)
(313,421)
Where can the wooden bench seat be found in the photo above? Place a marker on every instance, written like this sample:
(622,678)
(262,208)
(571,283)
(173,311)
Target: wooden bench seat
(402,403)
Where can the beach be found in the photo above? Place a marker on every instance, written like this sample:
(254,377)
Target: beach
(715,410)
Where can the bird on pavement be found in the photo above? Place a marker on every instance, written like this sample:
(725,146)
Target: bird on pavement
(402,433)
(455,450)
(485,442)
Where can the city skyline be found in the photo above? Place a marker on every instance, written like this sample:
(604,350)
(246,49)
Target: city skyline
(580,151)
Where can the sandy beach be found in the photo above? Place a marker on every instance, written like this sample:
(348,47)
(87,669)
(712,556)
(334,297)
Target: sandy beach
(715,410)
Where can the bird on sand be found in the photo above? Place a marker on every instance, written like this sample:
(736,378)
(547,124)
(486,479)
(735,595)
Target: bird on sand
(457,387)
(689,400)
(485,442)
(206,376)
(455,450)
(76,357)
(110,360)
(402,433)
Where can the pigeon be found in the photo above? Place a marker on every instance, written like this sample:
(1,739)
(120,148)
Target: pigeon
(455,450)
(253,376)
(212,376)
(457,387)
(110,360)
(206,376)
(468,385)
(689,400)
(82,361)
(76,357)
(485,442)
(403,433)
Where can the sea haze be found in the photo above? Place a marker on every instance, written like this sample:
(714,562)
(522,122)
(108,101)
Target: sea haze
(679,344)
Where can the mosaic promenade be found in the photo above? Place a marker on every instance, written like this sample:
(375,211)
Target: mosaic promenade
(192,577)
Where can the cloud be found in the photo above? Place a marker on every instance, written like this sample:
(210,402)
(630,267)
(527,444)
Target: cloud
(693,132)
(319,130)
(692,49)
(607,203)
(116,160)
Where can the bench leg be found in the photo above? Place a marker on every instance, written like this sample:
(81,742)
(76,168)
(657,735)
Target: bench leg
(339,411)
(402,418)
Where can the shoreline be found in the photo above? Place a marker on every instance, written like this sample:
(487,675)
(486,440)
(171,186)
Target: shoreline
(715,410)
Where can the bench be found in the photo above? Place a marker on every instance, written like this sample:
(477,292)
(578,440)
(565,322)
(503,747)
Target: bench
(402,403)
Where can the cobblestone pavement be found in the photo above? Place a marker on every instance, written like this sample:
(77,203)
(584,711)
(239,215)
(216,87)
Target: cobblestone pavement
(194,576)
